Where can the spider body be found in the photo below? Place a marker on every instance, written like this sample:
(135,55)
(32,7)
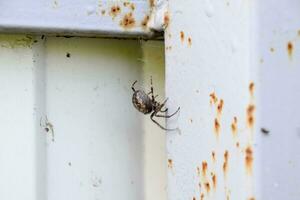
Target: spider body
(147,104)
(142,102)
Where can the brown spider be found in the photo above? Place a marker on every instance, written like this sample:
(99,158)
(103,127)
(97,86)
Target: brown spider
(147,104)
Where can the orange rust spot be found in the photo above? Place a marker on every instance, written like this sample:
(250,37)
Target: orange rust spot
(132,6)
(194,198)
(213,155)
(128,21)
(251,198)
(145,21)
(251,88)
(250,115)
(207,187)
(103,12)
(234,126)
(213,98)
(151,3)
(170,163)
(225,164)
(114,11)
(237,144)
(272,49)
(220,106)
(217,126)
(249,158)
(290,49)
(190,41)
(204,168)
(214,180)
(181,36)
(202,196)
(166,19)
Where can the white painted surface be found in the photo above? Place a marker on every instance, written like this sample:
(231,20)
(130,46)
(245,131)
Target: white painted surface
(234,44)
(77,17)
(97,145)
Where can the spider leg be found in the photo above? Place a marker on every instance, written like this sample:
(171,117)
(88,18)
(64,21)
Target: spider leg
(167,116)
(165,110)
(132,87)
(166,129)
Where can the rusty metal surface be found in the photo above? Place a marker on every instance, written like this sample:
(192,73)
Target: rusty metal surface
(233,67)
(84,18)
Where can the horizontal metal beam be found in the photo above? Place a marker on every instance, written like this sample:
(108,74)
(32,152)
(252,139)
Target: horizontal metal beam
(77,17)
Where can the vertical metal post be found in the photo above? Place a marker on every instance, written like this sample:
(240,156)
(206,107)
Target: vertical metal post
(232,67)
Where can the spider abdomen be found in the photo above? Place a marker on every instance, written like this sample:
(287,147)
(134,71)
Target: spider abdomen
(142,102)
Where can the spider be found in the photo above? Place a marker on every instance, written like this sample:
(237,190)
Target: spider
(146,104)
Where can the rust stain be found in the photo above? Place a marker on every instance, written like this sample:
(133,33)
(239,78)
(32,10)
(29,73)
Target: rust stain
(194,198)
(103,12)
(214,180)
(220,106)
(202,196)
(128,21)
(114,11)
(251,198)
(189,41)
(272,49)
(234,126)
(213,98)
(251,89)
(217,126)
(181,36)
(290,49)
(225,164)
(207,187)
(151,3)
(145,21)
(204,168)
(213,155)
(132,6)
(170,163)
(249,159)
(298,32)
(166,19)
(237,144)
(250,115)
